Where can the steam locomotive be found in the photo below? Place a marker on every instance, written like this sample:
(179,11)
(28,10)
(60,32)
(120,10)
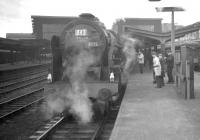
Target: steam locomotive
(86,41)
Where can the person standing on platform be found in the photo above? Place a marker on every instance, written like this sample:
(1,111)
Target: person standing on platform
(141,61)
(150,59)
(170,65)
(162,63)
(157,69)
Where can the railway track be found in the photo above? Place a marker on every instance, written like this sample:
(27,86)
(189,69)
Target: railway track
(106,129)
(61,128)
(22,79)
(19,87)
(68,130)
(10,107)
(22,84)
(4,78)
(18,94)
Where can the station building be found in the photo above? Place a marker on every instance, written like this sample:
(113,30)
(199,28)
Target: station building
(44,27)
(150,31)
(153,25)
(153,33)
(149,24)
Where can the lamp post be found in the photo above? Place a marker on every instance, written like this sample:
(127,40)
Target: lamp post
(172,10)
(154,0)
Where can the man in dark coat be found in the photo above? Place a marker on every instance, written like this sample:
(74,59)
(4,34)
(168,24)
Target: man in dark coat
(162,63)
(170,65)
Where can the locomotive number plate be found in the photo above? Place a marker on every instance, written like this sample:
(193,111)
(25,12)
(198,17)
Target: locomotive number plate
(93,44)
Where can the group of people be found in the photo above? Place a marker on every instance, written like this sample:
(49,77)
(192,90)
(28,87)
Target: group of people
(159,69)
(160,66)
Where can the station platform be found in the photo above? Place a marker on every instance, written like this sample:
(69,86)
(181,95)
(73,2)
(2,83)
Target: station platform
(149,113)
(19,65)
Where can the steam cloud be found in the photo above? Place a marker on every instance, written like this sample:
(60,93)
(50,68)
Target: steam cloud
(130,52)
(74,97)
(81,105)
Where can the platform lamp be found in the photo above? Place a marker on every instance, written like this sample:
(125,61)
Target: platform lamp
(172,10)
(154,0)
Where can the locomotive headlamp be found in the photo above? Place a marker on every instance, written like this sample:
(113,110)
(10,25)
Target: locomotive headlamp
(49,78)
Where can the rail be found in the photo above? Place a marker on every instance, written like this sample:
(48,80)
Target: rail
(15,105)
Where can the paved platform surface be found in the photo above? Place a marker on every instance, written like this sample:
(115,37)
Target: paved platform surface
(8,66)
(149,113)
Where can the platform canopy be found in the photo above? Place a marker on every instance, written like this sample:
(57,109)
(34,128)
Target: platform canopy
(158,38)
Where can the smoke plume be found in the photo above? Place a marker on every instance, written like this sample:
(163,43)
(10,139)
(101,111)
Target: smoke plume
(74,97)
(129,45)
(80,104)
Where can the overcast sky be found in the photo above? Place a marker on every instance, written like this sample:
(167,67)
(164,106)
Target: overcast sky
(15,15)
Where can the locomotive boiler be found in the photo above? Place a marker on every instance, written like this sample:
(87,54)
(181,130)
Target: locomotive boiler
(87,51)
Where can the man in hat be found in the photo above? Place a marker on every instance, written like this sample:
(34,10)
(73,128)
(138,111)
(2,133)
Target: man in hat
(170,65)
